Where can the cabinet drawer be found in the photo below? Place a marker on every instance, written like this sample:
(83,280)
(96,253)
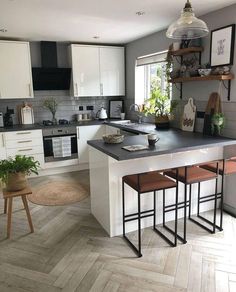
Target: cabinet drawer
(25,151)
(24,143)
(20,135)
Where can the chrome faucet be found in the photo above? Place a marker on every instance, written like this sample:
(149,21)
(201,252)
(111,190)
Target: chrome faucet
(136,108)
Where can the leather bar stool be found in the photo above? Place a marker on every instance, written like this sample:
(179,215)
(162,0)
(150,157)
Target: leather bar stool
(189,175)
(226,167)
(144,183)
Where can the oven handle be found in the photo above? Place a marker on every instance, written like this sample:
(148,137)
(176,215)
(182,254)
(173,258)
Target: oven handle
(50,138)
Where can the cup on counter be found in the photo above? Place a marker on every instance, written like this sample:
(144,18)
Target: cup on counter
(152,139)
(122,116)
(85,116)
(79,117)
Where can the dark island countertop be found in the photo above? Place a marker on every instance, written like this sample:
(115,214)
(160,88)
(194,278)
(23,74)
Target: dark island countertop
(171,141)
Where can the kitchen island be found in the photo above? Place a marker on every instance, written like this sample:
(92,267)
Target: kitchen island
(109,163)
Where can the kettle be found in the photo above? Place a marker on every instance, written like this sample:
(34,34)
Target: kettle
(102,114)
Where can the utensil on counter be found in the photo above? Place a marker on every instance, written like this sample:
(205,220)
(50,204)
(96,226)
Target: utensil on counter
(26,114)
(1,120)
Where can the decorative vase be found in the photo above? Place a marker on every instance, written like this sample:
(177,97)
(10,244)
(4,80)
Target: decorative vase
(16,181)
(162,122)
(54,120)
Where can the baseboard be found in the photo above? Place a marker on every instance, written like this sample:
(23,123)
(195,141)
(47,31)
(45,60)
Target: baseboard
(229,209)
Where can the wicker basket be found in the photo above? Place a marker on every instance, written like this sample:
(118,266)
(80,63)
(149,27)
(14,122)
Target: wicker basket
(113,138)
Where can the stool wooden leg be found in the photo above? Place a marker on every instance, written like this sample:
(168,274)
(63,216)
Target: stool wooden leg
(9,216)
(27,212)
(5,206)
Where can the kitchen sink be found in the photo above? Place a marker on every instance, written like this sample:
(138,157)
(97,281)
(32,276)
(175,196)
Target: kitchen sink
(127,123)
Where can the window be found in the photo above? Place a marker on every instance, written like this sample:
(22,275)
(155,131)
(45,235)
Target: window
(150,72)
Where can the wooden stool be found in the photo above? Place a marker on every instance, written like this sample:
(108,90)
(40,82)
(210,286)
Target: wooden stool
(8,199)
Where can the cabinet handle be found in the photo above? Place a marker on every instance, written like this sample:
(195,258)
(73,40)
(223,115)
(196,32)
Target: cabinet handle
(3,141)
(22,150)
(26,141)
(101,89)
(23,133)
(76,89)
(30,90)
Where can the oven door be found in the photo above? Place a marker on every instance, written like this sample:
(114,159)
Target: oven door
(48,148)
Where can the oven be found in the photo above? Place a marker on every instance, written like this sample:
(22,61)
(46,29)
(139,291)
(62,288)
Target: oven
(60,143)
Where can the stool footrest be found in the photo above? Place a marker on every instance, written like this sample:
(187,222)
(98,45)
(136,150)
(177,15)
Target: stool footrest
(172,232)
(136,215)
(132,246)
(164,237)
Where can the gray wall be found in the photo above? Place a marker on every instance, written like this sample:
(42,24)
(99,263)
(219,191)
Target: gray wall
(200,91)
(68,105)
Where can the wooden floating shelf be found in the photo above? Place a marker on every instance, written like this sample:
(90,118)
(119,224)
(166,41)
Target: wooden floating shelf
(187,51)
(203,78)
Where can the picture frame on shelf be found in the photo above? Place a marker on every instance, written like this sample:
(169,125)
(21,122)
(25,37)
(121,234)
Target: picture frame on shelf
(222,46)
(115,108)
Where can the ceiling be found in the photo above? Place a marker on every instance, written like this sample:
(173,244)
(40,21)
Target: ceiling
(114,21)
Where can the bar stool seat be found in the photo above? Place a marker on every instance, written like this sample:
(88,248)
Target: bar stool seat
(193,174)
(189,175)
(227,169)
(148,182)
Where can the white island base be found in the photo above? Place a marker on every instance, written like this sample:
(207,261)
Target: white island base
(106,186)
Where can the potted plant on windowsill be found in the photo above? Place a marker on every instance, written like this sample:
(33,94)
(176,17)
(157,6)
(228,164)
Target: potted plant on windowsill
(13,171)
(161,107)
(217,123)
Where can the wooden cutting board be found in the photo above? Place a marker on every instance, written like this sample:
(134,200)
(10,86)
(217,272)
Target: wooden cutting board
(189,115)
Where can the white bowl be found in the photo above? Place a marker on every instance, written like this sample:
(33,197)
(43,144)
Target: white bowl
(204,72)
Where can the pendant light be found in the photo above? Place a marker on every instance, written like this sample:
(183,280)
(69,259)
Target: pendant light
(188,26)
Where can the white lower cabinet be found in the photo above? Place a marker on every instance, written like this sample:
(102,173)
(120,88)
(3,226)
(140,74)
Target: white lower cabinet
(29,143)
(84,134)
(3,154)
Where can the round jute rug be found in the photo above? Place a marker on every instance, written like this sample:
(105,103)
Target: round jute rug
(58,193)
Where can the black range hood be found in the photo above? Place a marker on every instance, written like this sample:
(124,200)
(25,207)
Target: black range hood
(49,76)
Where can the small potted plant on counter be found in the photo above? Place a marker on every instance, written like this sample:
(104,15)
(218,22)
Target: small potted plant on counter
(13,171)
(217,124)
(51,104)
(161,107)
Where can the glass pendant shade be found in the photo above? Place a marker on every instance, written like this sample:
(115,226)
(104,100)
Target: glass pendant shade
(188,26)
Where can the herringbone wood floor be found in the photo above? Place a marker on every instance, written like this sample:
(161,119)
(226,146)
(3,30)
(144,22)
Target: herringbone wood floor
(69,251)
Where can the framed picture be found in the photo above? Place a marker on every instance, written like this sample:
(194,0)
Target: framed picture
(222,46)
(115,108)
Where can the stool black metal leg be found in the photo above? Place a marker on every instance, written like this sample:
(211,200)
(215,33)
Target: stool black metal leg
(185,211)
(198,198)
(215,206)
(176,212)
(164,195)
(139,226)
(123,205)
(154,207)
(190,201)
(222,196)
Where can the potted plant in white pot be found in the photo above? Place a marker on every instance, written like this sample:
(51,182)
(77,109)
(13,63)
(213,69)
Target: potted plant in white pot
(217,123)
(13,171)
(161,107)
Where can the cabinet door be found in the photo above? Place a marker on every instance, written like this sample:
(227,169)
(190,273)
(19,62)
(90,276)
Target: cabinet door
(86,133)
(15,70)
(112,71)
(85,68)
(2,146)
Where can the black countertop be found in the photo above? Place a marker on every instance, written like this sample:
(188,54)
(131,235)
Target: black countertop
(41,126)
(171,141)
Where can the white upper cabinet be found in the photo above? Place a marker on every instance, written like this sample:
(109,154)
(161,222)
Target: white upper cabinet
(112,71)
(85,70)
(97,71)
(15,70)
